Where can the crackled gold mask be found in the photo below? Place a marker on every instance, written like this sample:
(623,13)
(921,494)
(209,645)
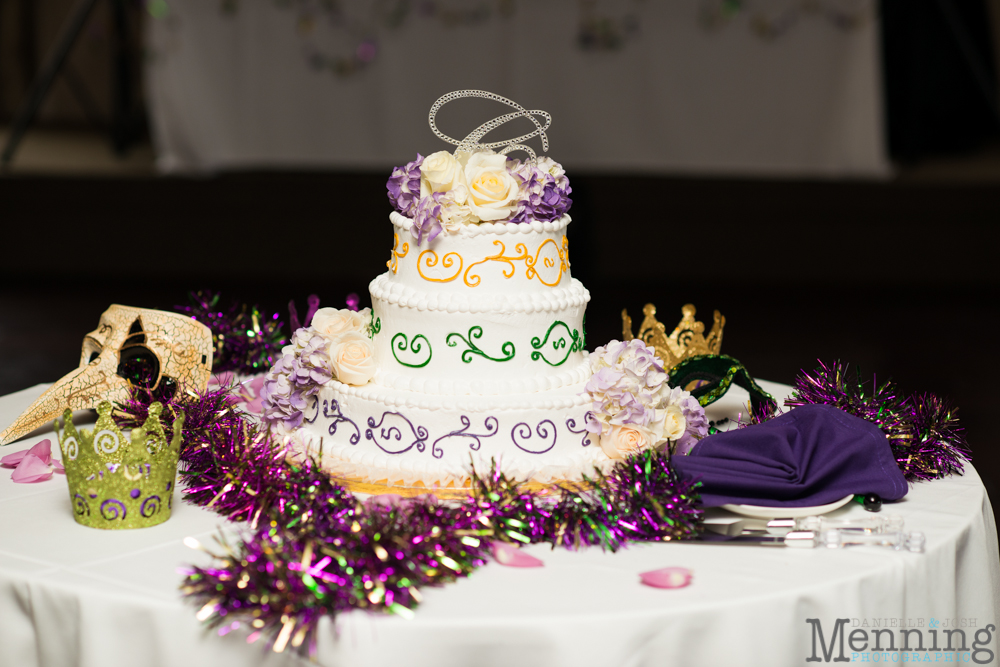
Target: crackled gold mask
(153,347)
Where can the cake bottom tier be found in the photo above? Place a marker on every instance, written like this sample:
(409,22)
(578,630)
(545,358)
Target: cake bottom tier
(387,437)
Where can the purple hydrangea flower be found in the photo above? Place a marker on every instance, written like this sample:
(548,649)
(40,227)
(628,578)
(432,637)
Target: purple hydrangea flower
(694,415)
(629,388)
(300,373)
(403,186)
(427,217)
(544,192)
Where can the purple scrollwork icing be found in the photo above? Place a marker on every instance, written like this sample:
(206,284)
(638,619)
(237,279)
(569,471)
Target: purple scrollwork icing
(571,425)
(491,425)
(386,434)
(523,431)
(332,411)
(109,509)
(150,506)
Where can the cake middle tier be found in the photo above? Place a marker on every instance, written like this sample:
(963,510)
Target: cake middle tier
(458,344)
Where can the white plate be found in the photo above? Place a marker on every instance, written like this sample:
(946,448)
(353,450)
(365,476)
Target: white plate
(761,512)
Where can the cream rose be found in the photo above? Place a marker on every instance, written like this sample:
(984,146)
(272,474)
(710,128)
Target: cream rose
(351,358)
(624,440)
(455,215)
(674,423)
(441,172)
(332,322)
(493,191)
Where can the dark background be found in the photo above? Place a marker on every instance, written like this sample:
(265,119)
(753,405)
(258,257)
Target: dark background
(899,278)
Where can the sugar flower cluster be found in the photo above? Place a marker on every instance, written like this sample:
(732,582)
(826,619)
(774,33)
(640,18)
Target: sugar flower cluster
(442,192)
(336,345)
(633,406)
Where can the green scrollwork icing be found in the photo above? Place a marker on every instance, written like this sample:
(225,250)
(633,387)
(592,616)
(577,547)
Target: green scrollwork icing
(558,342)
(476,332)
(414,346)
(374,326)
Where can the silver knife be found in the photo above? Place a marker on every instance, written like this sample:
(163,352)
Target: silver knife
(804,539)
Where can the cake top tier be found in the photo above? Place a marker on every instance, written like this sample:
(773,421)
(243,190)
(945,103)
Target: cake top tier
(481,260)
(449,193)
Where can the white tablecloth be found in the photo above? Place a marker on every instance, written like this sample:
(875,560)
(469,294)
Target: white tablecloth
(71,595)
(236,90)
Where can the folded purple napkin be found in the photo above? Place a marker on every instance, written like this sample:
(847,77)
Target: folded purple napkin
(812,455)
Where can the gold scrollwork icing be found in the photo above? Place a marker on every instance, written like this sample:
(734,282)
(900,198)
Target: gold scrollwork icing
(429,259)
(446,262)
(473,280)
(548,262)
(393,263)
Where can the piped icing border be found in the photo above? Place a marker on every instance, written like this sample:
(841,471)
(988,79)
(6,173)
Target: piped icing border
(565,396)
(384,289)
(403,223)
(493,389)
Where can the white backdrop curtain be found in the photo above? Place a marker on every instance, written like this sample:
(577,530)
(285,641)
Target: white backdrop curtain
(772,87)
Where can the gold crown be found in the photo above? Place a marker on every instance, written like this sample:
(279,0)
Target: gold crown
(117,482)
(687,340)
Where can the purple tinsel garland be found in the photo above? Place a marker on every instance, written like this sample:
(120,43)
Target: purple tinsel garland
(315,549)
(922,429)
(246,341)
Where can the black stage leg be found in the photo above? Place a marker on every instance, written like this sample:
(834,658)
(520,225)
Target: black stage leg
(980,71)
(122,111)
(40,86)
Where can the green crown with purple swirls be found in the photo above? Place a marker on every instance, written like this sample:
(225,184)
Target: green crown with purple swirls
(117,482)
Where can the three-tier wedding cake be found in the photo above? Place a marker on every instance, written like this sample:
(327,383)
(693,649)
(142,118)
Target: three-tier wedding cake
(473,352)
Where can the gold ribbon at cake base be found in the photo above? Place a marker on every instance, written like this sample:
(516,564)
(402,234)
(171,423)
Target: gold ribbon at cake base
(358,485)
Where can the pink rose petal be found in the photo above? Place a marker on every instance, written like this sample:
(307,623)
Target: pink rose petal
(43,450)
(31,469)
(11,460)
(256,386)
(57,466)
(668,577)
(223,379)
(385,500)
(510,556)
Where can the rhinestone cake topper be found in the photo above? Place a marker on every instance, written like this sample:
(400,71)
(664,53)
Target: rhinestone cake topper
(117,482)
(471,143)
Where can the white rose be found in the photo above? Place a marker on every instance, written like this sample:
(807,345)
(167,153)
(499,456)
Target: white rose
(493,191)
(351,358)
(454,214)
(674,423)
(332,322)
(441,172)
(624,440)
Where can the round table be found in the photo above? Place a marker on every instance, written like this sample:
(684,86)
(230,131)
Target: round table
(71,595)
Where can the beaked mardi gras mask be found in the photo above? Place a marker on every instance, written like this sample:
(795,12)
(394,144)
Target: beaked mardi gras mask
(151,348)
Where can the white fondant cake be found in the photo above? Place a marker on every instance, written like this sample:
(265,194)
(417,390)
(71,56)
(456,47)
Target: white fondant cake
(479,352)
(473,353)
